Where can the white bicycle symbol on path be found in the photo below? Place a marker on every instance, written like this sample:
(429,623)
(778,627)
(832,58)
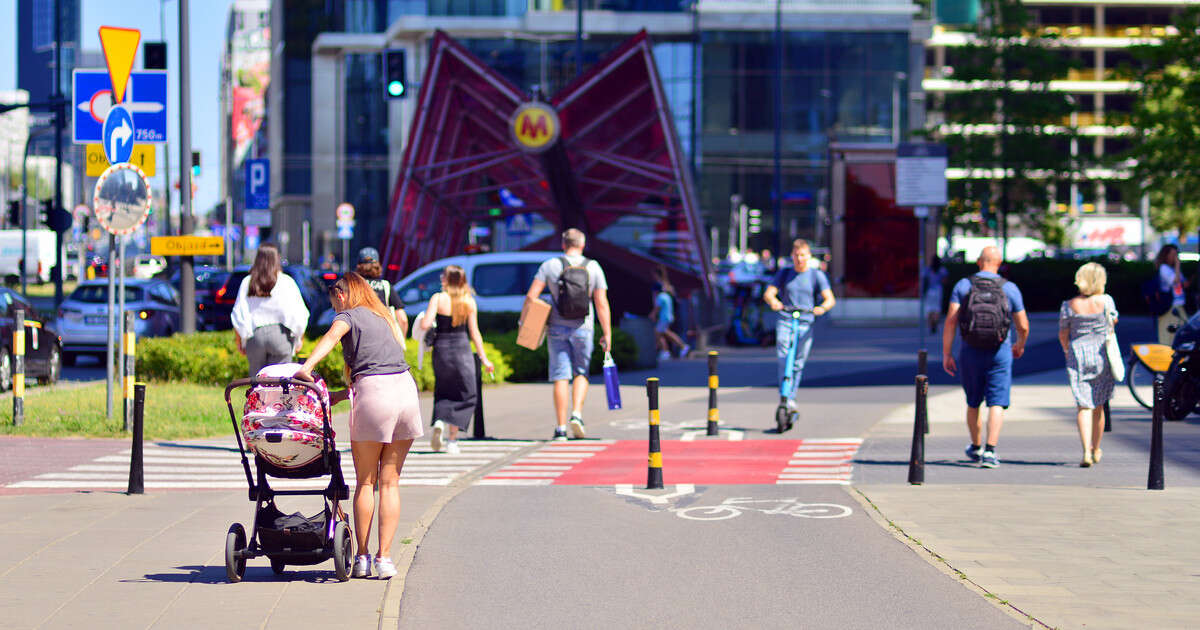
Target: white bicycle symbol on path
(734,506)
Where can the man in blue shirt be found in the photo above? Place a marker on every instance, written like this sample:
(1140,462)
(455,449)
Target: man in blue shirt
(798,287)
(986,373)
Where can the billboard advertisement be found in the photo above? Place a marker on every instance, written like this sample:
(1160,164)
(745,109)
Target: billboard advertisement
(250,75)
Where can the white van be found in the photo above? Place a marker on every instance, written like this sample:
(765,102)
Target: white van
(41,253)
(500,280)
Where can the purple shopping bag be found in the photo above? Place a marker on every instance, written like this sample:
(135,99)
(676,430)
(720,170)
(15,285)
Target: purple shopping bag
(612,384)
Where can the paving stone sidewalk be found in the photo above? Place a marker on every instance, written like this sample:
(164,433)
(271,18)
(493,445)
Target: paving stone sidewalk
(1070,547)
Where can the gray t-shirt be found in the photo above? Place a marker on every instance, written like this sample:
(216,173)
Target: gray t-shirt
(549,273)
(369,348)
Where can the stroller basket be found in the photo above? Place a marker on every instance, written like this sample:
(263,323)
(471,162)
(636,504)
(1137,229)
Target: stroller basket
(291,533)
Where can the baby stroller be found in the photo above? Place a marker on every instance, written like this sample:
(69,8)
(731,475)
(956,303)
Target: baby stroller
(286,425)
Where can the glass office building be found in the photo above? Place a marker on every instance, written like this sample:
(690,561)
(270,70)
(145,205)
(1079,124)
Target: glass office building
(844,79)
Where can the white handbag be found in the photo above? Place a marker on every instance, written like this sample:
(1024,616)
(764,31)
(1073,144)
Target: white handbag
(1111,348)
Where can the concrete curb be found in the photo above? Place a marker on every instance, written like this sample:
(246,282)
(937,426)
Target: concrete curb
(389,610)
(940,563)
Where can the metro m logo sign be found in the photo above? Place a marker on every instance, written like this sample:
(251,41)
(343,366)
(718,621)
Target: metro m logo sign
(534,127)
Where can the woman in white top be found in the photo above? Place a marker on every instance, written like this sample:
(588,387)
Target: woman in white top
(269,316)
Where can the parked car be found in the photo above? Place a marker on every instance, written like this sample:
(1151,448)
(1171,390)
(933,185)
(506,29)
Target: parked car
(43,348)
(312,290)
(148,266)
(209,280)
(83,316)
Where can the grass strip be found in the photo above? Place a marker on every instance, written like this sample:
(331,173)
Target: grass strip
(173,411)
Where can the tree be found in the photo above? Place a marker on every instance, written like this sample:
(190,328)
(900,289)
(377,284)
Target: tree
(1005,126)
(1163,160)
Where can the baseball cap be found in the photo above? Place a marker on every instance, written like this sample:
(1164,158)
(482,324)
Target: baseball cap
(368,254)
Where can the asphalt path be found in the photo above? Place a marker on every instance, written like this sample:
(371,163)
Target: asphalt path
(554,557)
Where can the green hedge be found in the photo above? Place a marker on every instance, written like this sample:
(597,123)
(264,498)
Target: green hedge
(212,358)
(1046,282)
(533,365)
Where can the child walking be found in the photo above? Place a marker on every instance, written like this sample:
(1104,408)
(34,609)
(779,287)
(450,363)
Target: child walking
(384,414)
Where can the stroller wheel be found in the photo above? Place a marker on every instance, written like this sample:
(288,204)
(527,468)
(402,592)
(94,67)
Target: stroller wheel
(235,541)
(277,566)
(343,551)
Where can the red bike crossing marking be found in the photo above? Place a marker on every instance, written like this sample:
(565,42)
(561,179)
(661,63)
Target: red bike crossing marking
(746,462)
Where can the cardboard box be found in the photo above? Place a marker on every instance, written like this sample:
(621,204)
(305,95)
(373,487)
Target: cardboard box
(534,315)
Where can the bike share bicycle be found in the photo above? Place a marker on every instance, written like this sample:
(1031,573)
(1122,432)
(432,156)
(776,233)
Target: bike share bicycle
(785,415)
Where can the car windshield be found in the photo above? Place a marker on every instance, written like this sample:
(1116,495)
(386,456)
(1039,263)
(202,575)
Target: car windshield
(98,294)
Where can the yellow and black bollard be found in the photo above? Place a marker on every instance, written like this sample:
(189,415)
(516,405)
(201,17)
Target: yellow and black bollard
(18,367)
(129,368)
(713,415)
(654,476)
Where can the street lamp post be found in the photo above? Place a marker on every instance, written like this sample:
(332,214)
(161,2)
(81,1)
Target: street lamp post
(899,79)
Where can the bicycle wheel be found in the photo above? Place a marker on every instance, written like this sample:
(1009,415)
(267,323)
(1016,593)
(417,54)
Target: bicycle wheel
(1141,382)
(819,510)
(709,512)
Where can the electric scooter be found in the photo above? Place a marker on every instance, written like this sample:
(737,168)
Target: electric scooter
(785,417)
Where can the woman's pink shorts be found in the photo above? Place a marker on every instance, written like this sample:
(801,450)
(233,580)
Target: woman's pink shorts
(385,408)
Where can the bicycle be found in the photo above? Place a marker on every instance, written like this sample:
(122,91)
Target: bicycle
(1145,362)
(734,506)
(785,416)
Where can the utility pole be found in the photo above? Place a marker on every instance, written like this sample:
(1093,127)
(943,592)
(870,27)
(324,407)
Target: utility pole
(578,41)
(58,170)
(777,186)
(187,279)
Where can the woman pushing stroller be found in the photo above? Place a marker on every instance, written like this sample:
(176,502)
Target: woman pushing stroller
(384,415)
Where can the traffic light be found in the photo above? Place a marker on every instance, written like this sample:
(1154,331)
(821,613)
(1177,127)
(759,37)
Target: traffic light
(195,164)
(397,81)
(154,55)
(14,213)
(54,218)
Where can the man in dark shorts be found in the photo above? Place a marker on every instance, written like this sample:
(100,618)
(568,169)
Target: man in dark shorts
(986,372)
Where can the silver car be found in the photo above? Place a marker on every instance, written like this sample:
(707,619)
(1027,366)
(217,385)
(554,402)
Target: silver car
(83,316)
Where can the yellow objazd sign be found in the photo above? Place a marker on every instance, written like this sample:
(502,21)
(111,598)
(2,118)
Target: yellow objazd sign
(534,127)
(143,158)
(187,245)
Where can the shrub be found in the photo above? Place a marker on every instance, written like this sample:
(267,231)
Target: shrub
(1046,282)
(212,358)
(531,365)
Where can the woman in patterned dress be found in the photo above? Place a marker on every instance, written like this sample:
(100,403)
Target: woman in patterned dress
(1083,326)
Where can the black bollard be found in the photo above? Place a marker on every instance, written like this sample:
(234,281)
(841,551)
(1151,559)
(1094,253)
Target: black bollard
(479,431)
(713,415)
(18,366)
(136,471)
(654,476)
(916,461)
(1155,481)
(1107,419)
(923,363)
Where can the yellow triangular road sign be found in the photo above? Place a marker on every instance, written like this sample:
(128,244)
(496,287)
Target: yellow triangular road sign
(120,49)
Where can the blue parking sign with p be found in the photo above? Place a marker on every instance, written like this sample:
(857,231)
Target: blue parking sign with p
(258,185)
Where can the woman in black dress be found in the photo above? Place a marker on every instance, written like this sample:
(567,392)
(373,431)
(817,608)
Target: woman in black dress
(454,395)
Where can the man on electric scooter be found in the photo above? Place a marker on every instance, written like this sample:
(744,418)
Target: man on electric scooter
(798,287)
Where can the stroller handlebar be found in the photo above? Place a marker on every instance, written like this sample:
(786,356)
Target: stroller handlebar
(254,380)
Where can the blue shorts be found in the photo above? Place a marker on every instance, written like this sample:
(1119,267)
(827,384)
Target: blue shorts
(570,351)
(662,326)
(986,375)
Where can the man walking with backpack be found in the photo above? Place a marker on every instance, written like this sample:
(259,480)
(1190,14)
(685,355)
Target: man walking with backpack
(576,285)
(982,309)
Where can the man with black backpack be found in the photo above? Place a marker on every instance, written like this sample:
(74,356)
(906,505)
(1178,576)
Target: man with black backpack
(576,285)
(982,310)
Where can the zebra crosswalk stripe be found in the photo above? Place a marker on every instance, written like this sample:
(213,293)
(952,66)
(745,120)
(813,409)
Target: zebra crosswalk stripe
(215,467)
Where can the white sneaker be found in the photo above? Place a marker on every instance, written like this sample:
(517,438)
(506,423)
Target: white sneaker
(791,405)
(664,355)
(435,438)
(362,566)
(384,568)
(684,351)
(452,447)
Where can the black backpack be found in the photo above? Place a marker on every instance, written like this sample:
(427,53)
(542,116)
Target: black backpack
(986,315)
(1157,300)
(382,289)
(574,297)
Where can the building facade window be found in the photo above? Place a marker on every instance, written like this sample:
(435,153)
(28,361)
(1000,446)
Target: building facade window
(366,144)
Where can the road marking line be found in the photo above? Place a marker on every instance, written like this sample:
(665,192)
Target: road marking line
(488,481)
(626,489)
(812,482)
(501,474)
